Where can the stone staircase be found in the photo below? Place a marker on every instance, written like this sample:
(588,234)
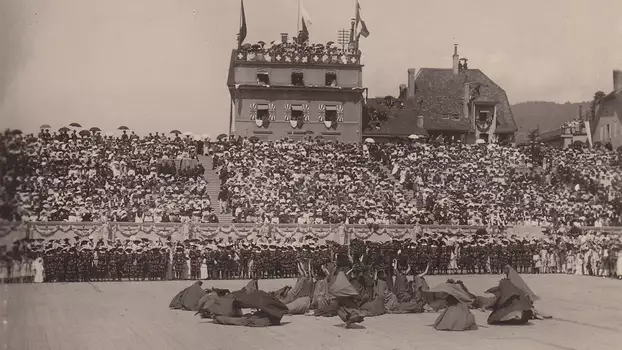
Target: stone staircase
(213,188)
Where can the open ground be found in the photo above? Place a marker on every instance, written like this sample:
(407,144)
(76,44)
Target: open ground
(587,314)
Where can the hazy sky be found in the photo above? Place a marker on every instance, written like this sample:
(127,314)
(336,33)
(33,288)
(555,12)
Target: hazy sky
(155,65)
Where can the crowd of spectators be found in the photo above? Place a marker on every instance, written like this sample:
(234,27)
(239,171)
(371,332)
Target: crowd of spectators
(296,46)
(314,181)
(87,176)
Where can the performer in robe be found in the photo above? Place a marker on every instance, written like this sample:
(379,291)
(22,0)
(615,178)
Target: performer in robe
(456,315)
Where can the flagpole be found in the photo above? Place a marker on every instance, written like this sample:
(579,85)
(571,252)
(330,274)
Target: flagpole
(239,26)
(298,20)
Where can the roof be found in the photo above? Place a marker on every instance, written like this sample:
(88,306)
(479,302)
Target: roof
(438,98)
(613,97)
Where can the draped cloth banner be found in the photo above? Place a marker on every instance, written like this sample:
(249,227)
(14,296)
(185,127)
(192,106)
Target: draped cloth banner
(343,234)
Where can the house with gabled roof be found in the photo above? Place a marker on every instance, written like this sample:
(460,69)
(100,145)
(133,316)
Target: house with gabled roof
(607,124)
(458,103)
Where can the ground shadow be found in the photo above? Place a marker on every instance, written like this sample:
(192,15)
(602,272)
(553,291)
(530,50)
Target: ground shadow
(352,326)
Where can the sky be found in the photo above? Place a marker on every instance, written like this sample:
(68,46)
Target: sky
(157,65)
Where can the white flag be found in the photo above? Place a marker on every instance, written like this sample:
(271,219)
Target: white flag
(304,14)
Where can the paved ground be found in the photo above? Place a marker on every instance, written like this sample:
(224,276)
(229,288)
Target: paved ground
(135,315)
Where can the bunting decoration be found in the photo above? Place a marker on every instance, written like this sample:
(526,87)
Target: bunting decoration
(340,113)
(181,231)
(322,113)
(253,111)
(272,111)
(305,112)
(288,111)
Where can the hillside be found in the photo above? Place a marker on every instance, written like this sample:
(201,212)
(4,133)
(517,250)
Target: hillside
(548,115)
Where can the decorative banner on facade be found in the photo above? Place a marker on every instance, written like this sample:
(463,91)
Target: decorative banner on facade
(322,113)
(305,112)
(253,111)
(272,111)
(288,111)
(339,113)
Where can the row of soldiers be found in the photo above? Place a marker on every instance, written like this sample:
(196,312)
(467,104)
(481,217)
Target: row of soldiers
(86,260)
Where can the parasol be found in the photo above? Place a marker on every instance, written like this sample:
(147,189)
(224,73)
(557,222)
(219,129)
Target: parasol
(221,137)
(84,133)
(95,129)
(176,132)
(75,125)
(45,126)
(123,127)
(64,129)
(414,137)
(370,140)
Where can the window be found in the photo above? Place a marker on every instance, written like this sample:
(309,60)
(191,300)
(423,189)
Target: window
(297,112)
(483,116)
(331,78)
(331,113)
(262,111)
(263,78)
(608,131)
(298,78)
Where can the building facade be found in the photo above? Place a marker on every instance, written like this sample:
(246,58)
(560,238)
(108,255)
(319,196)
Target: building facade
(607,123)
(453,104)
(292,90)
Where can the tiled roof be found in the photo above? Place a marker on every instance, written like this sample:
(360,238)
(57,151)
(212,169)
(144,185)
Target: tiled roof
(438,98)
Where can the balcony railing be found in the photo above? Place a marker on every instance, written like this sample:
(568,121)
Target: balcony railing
(299,57)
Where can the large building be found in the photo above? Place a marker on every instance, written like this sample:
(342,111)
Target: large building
(607,124)
(457,103)
(292,90)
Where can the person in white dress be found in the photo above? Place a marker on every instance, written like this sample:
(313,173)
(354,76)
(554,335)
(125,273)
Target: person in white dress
(38,270)
(619,265)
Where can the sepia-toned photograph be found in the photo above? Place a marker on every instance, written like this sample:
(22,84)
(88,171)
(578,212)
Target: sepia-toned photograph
(310,174)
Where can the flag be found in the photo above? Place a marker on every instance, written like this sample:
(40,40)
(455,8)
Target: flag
(303,36)
(242,33)
(360,24)
(306,18)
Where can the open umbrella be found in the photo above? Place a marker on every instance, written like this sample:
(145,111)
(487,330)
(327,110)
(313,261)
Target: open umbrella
(480,141)
(75,125)
(95,129)
(176,132)
(16,132)
(370,140)
(84,133)
(64,129)
(123,127)
(187,133)
(45,126)
(309,132)
(221,136)
(253,139)
(414,137)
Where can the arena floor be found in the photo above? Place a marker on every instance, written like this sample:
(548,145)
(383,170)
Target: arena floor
(134,315)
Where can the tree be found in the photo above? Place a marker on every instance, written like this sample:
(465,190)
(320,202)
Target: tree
(598,95)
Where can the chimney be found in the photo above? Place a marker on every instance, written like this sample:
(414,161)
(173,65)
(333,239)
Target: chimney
(284,37)
(412,72)
(617,80)
(420,122)
(456,60)
(580,112)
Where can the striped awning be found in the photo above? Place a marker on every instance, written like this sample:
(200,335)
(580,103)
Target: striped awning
(331,108)
(262,106)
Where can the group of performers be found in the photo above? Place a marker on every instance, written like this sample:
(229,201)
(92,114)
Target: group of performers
(84,259)
(341,288)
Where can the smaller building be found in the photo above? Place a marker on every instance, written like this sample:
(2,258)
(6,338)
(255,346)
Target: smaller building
(564,137)
(453,104)
(607,124)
